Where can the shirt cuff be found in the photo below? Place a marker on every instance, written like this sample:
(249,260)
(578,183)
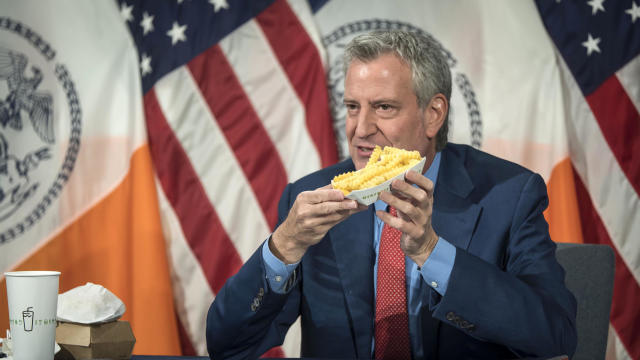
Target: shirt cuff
(437,269)
(277,272)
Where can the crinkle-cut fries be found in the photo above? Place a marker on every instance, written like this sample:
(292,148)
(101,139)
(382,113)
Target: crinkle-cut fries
(383,165)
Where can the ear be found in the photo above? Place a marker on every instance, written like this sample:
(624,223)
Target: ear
(435,113)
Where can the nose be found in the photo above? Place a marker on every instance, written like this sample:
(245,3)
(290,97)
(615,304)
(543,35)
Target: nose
(366,124)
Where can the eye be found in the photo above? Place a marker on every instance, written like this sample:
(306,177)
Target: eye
(351,107)
(385,108)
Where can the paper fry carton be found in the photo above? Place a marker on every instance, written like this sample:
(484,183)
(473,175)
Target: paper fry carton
(370,195)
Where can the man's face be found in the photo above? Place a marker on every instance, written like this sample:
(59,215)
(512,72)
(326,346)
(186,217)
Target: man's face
(382,109)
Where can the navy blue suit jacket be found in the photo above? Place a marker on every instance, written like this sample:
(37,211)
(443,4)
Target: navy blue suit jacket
(506,295)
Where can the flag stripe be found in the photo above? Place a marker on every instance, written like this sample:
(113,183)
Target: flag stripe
(562,214)
(273,98)
(242,128)
(202,227)
(625,314)
(191,289)
(213,162)
(620,352)
(185,342)
(628,77)
(303,66)
(302,9)
(620,124)
(615,348)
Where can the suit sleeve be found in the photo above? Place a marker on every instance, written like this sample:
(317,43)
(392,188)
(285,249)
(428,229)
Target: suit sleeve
(524,305)
(247,318)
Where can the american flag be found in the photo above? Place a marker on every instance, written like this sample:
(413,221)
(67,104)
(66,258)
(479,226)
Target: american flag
(599,45)
(236,107)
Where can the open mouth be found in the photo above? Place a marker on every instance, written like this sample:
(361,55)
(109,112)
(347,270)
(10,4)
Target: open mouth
(365,150)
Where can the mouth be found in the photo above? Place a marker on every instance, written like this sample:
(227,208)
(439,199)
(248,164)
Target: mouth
(365,151)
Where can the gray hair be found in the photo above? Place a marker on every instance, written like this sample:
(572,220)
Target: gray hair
(430,72)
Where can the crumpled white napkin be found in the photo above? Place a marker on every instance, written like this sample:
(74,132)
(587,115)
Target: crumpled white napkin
(6,347)
(89,304)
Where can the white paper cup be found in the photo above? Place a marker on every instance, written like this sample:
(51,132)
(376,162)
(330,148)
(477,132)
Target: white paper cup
(33,301)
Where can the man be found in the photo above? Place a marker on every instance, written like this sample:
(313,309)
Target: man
(477,272)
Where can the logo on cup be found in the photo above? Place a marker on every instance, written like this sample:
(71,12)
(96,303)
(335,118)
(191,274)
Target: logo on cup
(27,319)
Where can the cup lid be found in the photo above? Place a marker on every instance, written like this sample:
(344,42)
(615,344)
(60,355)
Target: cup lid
(32,273)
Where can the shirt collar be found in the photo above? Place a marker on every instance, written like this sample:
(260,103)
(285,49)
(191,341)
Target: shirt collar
(431,174)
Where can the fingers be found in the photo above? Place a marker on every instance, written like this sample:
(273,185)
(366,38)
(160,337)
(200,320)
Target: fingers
(415,206)
(320,195)
(420,195)
(312,214)
(330,207)
(413,203)
(323,206)
(423,182)
(413,230)
(410,204)
(330,219)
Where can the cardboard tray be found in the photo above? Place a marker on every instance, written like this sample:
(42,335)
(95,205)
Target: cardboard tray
(370,195)
(112,340)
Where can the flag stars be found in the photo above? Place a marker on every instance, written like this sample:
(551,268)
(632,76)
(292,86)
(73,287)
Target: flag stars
(591,44)
(177,33)
(146,23)
(145,64)
(219,4)
(126,12)
(634,12)
(596,5)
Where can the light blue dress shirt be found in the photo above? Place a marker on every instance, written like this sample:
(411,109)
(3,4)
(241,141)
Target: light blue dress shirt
(435,272)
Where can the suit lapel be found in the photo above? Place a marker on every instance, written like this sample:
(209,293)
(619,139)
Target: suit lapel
(454,214)
(353,247)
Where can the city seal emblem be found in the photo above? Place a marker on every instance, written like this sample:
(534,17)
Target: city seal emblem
(40,124)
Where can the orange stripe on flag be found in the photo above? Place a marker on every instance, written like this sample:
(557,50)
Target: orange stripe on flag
(562,214)
(118,243)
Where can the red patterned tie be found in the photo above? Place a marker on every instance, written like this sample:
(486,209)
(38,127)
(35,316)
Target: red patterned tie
(392,321)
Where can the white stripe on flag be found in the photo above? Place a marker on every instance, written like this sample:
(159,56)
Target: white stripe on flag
(621,351)
(191,290)
(628,77)
(273,98)
(615,349)
(213,160)
(612,195)
(303,11)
